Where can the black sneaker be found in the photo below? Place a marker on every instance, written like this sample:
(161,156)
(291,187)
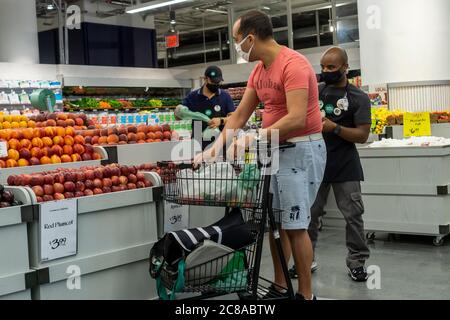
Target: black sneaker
(273,292)
(358,274)
(299,296)
(293,272)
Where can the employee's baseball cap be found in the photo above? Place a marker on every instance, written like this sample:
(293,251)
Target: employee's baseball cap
(214,73)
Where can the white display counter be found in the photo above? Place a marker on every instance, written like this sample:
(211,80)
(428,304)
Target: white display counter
(406,191)
(115,234)
(16,278)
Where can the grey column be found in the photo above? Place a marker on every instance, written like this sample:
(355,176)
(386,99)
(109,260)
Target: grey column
(18,31)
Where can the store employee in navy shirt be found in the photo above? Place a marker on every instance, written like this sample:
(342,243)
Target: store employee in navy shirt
(212,101)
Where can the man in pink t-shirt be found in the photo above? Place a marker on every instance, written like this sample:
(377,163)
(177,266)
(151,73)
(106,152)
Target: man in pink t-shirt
(286,83)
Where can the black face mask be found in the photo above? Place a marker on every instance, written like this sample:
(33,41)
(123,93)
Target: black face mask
(213,87)
(332,77)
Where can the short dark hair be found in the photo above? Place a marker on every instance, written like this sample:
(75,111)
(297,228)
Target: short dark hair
(258,23)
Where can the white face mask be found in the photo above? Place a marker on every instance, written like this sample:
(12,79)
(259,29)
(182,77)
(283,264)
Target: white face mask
(241,53)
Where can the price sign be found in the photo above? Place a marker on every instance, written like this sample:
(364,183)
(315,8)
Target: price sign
(172,40)
(176,217)
(58,229)
(416,124)
(3,149)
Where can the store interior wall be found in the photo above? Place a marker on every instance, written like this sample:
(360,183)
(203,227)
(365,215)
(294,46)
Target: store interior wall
(18,31)
(104,38)
(404,40)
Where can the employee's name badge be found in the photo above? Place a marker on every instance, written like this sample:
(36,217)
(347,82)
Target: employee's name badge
(208,112)
(217,108)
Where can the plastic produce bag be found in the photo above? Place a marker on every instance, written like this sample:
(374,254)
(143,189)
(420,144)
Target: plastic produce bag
(220,181)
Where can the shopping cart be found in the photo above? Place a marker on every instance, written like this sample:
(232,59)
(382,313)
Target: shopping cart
(243,184)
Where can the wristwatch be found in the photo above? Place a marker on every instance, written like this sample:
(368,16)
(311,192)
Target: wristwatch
(337,130)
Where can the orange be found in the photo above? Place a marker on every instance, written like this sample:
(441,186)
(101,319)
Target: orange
(68,140)
(16,134)
(37,142)
(28,133)
(23,163)
(45,160)
(66,158)
(25,143)
(70,131)
(56,159)
(15,125)
(5,134)
(49,132)
(37,132)
(10,163)
(23,124)
(14,144)
(31,124)
(58,140)
(13,154)
(6,125)
(60,131)
(48,142)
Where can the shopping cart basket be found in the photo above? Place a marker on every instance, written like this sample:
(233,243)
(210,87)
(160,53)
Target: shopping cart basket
(240,184)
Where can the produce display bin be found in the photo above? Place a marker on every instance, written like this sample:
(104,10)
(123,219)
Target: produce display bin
(16,278)
(437,130)
(407,190)
(6,172)
(115,234)
(140,153)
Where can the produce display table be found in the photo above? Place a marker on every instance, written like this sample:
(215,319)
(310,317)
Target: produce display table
(115,234)
(140,153)
(437,130)
(16,278)
(406,191)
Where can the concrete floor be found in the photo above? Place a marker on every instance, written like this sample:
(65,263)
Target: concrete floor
(410,268)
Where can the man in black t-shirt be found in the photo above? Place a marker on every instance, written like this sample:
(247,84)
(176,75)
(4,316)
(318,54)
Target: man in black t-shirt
(347,119)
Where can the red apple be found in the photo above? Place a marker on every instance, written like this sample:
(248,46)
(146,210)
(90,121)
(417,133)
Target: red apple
(106,189)
(140,184)
(70,176)
(116,189)
(98,173)
(131,186)
(98,191)
(147,183)
(39,199)
(58,196)
(98,183)
(89,184)
(69,195)
(123,180)
(81,176)
(48,189)
(90,175)
(48,197)
(88,192)
(124,170)
(48,179)
(69,186)
(59,178)
(37,180)
(80,186)
(58,188)
(38,191)
(107,182)
(79,194)
(132,178)
(140,176)
(115,180)
(11,180)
